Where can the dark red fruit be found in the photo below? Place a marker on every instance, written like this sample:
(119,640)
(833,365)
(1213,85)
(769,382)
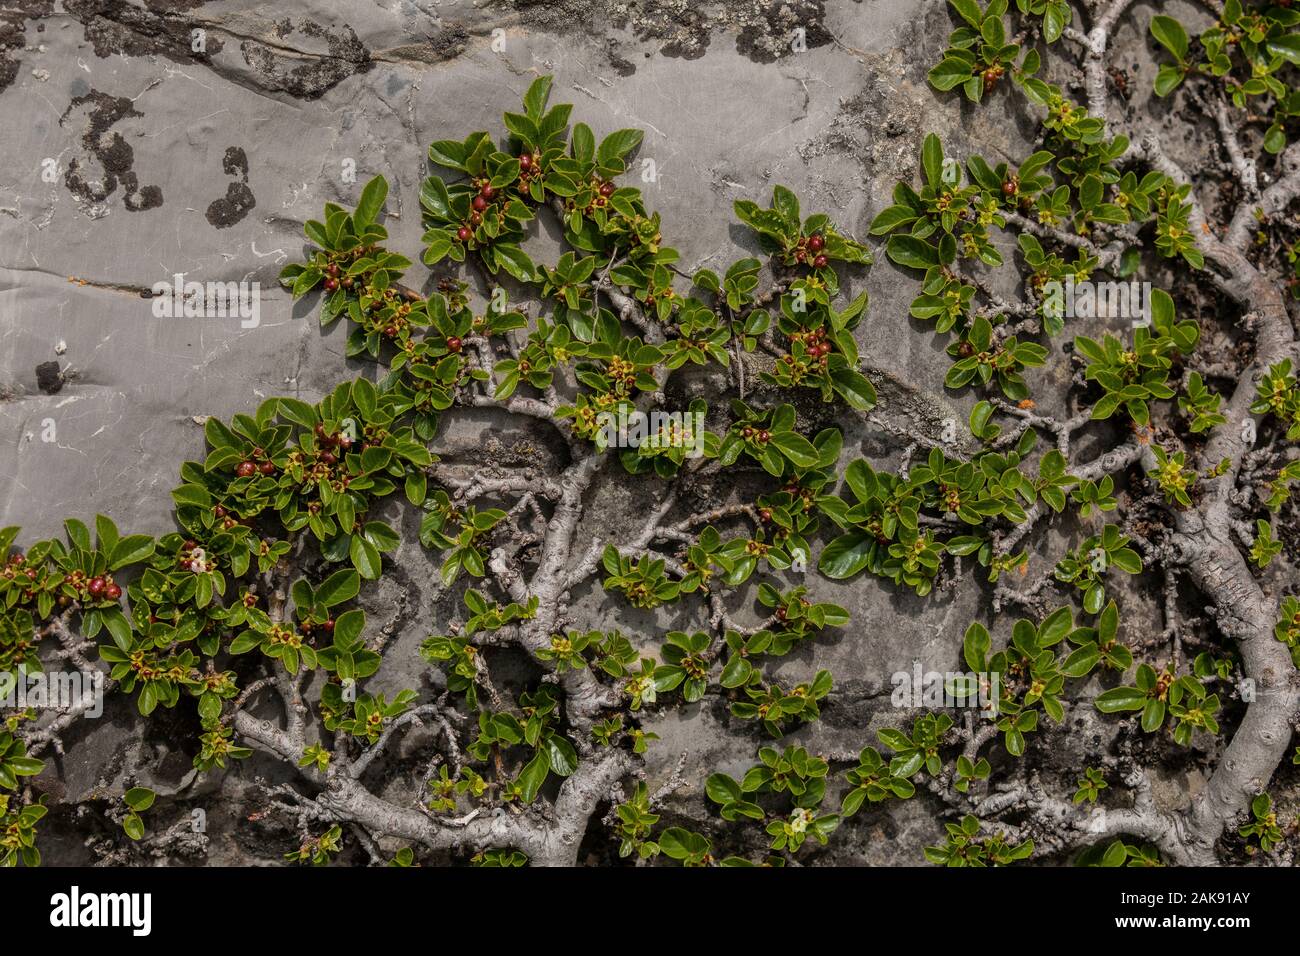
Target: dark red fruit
(479,203)
(781,614)
(607,189)
(268,468)
(747,432)
(218,511)
(965,350)
(486,191)
(464,233)
(475,218)
(453,344)
(390,330)
(525,161)
(820,262)
(816,243)
(331,284)
(347,282)
(764,437)
(333,269)
(112,592)
(245,469)
(328,457)
(328,626)
(96,586)
(189,545)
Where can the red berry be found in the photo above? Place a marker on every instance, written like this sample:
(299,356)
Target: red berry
(464,233)
(820,262)
(390,330)
(764,436)
(328,626)
(189,545)
(245,469)
(218,511)
(112,592)
(333,269)
(525,161)
(96,586)
(479,203)
(486,191)
(816,243)
(347,282)
(331,284)
(747,432)
(607,189)
(328,457)
(268,468)
(475,218)
(453,344)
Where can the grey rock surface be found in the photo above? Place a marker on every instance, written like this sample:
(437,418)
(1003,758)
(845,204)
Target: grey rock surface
(129,157)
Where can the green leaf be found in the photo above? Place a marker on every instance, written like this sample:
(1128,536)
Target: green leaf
(365,557)
(798,449)
(139,798)
(854,388)
(1167,79)
(932,159)
(342,585)
(1171,35)
(562,756)
(911,252)
(371,201)
(1119,699)
(617,145)
(846,555)
(133,826)
(130,550)
(1287,47)
(533,776)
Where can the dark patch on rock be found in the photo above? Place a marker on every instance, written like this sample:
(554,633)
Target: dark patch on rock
(49,377)
(782,25)
(235,205)
(621,65)
(114,154)
(13,25)
(450,42)
(765,29)
(307,75)
(158,28)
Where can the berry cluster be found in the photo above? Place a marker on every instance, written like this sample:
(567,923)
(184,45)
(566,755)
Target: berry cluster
(809,250)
